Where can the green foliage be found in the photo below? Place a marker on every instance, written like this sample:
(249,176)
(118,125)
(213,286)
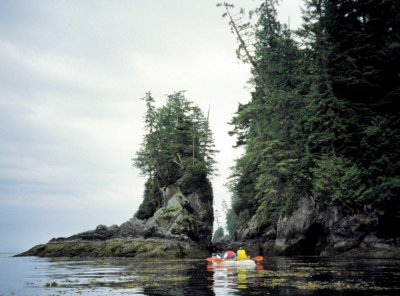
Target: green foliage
(322,120)
(151,200)
(387,192)
(231,222)
(178,148)
(169,213)
(51,285)
(218,234)
(337,181)
(279,183)
(194,179)
(169,209)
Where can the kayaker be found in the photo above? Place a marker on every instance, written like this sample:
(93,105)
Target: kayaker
(241,254)
(229,255)
(219,255)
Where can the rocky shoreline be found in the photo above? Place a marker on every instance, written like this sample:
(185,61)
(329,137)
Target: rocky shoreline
(172,248)
(182,229)
(257,247)
(133,248)
(326,232)
(134,238)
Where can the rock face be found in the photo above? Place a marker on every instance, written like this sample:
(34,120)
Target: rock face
(181,228)
(183,218)
(326,232)
(292,231)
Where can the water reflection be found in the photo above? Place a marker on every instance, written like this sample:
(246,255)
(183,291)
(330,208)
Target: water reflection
(310,276)
(130,276)
(222,277)
(276,276)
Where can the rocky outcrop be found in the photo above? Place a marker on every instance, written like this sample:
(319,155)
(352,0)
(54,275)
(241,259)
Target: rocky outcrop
(292,230)
(181,228)
(326,232)
(183,218)
(123,247)
(331,231)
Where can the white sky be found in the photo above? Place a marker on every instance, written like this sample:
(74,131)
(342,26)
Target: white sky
(71,75)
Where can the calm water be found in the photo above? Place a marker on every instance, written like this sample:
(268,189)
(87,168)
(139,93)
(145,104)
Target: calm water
(277,276)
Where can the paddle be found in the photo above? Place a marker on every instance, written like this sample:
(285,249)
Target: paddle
(215,260)
(258,258)
(210,259)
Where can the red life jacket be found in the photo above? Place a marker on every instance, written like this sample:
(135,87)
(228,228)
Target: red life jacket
(230,255)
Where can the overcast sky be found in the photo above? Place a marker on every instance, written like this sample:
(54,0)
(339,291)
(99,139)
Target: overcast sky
(71,75)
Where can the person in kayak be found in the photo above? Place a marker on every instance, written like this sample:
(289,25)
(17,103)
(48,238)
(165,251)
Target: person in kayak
(241,254)
(229,255)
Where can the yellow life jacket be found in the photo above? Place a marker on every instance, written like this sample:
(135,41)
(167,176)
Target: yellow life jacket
(241,254)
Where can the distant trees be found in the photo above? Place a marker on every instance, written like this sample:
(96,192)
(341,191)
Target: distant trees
(178,148)
(218,234)
(322,120)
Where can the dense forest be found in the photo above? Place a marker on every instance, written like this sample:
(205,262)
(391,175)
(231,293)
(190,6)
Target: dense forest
(323,120)
(178,148)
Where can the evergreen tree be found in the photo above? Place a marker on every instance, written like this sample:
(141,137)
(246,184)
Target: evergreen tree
(322,120)
(178,148)
(265,126)
(365,38)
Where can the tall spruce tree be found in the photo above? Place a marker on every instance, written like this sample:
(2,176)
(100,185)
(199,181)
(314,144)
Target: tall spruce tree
(265,126)
(328,119)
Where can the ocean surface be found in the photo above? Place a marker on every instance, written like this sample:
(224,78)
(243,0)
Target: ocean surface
(124,276)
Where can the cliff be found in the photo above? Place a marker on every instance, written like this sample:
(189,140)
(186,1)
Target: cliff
(330,231)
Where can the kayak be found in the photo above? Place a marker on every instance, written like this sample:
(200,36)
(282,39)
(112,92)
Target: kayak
(249,263)
(235,263)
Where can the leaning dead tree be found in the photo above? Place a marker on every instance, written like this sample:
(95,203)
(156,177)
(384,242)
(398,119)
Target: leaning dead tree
(244,30)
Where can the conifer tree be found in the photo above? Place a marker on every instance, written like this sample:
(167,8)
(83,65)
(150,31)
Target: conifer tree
(178,148)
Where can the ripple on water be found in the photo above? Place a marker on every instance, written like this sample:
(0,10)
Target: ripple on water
(276,276)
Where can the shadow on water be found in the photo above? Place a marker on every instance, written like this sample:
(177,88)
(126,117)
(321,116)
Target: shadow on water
(276,276)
